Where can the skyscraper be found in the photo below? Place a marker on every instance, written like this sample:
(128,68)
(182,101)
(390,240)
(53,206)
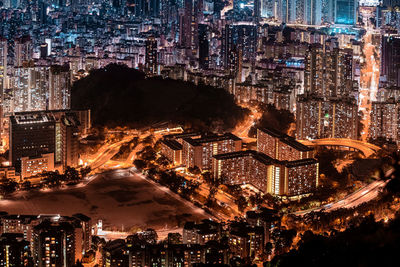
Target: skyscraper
(151,55)
(204,50)
(313,12)
(385,120)
(59,87)
(42,12)
(142,8)
(239,39)
(3,63)
(29,89)
(329,70)
(189,28)
(328,11)
(326,118)
(390,65)
(346,12)
(22,51)
(314,72)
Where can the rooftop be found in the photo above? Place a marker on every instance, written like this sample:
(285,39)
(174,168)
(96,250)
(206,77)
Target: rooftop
(172,144)
(284,138)
(211,139)
(181,135)
(31,118)
(261,157)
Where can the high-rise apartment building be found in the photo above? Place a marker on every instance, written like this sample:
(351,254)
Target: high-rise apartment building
(280,166)
(281,146)
(14,250)
(26,226)
(143,8)
(22,51)
(59,87)
(329,70)
(54,244)
(239,43)
(390,60)
(313,12)
(189,26)
(3,63)
(151,55)
(385,120)
(287,11)
(327,11)
(314,71)
(326,118)
(28,90)
(204,49)
(199,152)
(282,178)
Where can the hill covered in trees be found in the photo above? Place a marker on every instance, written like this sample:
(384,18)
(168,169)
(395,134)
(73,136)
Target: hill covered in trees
(121,96)
(368,243)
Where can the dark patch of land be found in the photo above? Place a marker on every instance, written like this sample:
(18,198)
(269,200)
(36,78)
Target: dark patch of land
(121,96)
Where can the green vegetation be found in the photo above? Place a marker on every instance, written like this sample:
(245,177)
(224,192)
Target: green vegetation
(8,186)
(121,96)
(273,118)
(359,236)
(368,243)
(70,175)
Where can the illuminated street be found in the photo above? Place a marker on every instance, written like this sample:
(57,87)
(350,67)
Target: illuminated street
(366,148)
(106,152)
(242,129)
(369,80)
(193,133)
(353,200)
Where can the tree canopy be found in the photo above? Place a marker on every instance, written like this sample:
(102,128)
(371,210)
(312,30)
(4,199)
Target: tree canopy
(121,96)
(368,244)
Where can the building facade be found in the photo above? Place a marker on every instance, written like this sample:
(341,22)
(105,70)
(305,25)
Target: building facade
(199,152)
(326,118)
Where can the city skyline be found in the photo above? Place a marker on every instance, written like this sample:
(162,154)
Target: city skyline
(199,133)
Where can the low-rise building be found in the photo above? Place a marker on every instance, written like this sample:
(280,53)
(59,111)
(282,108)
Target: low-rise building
(32,166)
(9,173)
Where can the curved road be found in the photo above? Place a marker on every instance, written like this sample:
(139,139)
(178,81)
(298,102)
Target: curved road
(353,200)
(366,148)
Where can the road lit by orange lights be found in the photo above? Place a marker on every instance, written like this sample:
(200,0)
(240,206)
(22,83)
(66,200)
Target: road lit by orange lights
(369,80)
(243,128)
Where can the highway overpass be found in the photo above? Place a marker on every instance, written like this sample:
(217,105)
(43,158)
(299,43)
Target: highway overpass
(365,148)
